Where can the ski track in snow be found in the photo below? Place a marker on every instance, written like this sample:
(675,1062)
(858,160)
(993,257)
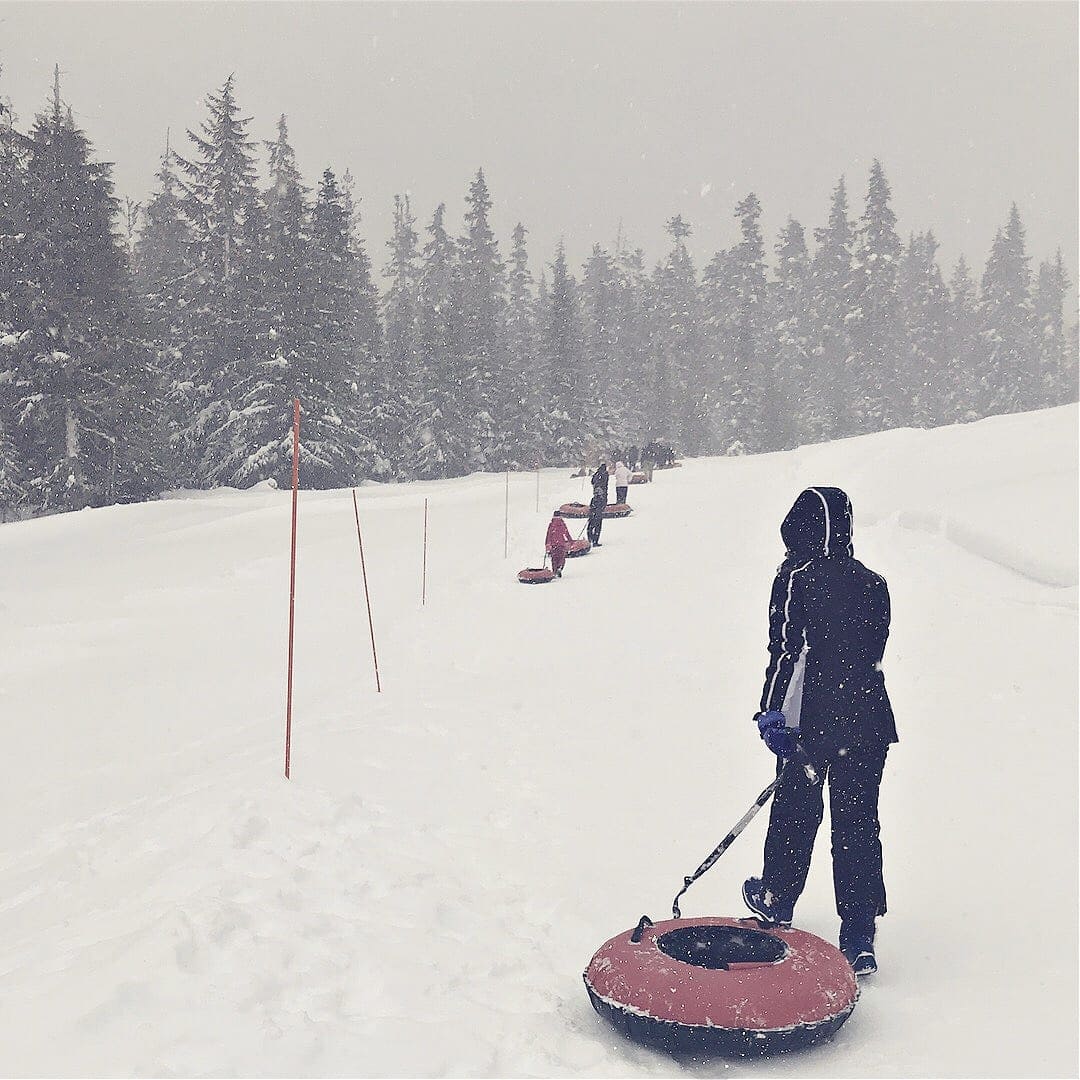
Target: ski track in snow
(543,766)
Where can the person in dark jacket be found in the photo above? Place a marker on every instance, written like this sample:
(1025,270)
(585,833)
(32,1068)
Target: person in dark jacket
(824,700)
(599,500)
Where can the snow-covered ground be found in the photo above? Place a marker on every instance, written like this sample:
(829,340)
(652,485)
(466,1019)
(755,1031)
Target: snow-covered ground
(542,766)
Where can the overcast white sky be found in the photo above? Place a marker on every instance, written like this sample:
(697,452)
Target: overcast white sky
(585,114)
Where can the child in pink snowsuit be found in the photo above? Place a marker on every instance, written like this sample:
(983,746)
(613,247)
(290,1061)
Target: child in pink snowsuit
(558,537)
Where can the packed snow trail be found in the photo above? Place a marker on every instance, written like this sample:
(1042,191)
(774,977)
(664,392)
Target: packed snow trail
(542,766)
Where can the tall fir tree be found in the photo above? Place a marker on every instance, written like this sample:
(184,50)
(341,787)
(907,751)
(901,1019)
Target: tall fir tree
(790,336)
(964,346)
(378,397)
(599,301)
(1007,324)
(522,354)
(680,398)
(833,295)
(927,376)
(222,338)
(573,431)
(401,368)
(482,302)
(85,381)
(444,434)
(757,406)
(163,278)
(1056,368)
(875,388)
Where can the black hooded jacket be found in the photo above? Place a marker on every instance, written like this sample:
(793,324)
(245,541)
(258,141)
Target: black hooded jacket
(828,624)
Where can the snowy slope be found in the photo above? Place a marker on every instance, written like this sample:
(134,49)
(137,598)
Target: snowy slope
(543,765)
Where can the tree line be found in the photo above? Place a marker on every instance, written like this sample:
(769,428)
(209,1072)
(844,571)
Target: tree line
(160,346)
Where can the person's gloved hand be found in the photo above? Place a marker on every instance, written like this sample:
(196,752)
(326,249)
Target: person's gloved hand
(779,738)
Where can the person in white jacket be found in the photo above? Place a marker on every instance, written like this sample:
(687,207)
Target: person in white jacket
(622,481)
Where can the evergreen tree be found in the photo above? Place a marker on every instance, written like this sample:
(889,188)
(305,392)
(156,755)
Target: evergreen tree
(681,399)
(1007,325)
(964,347)
(162,278)
(759,412)
(928,372)
(482,303)
(875,390)
(833,287)
(444,427)
(84,378)
(573,430)
(522,355)
(378,399)
(791,337)
(599,299)
(633,321)
(223,340)
(1056,368)
(401,369)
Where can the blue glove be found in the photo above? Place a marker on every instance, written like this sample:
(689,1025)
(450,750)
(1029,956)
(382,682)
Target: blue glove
(782,740)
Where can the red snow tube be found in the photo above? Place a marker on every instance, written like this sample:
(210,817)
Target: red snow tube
(581,510)
(577,547)
(639,478)
(573,510)
(721,986)
(536,575)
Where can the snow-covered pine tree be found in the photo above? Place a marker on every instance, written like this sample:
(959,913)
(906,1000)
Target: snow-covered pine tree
(522,354)
(634,335)
(791,338)
(401,373)
(482,299)
(443,436)
(222,339)
(295,350)
(14,191)
(681,399)
(759,411)
(599,302)
(876,386)
(828,390)
(964,346)
(162,272)
(341,361)
(571,412)
(1007,324)
(378,400)
(1057,369)
(926,372)
(85,380)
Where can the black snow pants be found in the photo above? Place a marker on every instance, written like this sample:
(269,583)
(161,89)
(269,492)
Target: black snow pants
(854,778)
(596,520)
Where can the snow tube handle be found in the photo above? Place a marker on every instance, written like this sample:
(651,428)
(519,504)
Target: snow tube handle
(644,921)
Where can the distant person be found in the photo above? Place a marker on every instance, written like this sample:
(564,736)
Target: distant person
(632,458)
(601,479)
(557,543)
(598,503)
(825,697)
(622,481)
(648,460)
